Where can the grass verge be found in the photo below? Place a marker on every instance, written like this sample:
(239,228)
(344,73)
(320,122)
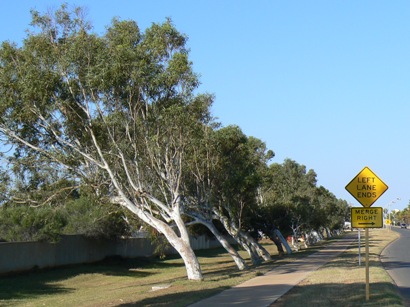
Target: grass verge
(342,282)
(119,282)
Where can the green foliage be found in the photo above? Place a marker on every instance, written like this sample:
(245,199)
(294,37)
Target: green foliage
(114,112)
(94,116)
(24,223)
(83,216)
(160,243)
(403,216)
(291,201)
(93,218)
(4,185)
(239,170)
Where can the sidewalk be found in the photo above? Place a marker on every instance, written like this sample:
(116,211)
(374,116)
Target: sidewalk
(265,290)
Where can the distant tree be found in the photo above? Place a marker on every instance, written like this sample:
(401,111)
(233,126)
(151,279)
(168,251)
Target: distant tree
(292,202)
(294,189)
(404,215)
(329,212)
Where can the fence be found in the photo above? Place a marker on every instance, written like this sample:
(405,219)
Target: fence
(23,256)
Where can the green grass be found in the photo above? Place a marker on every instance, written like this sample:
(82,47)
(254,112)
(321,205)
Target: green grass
(118,282)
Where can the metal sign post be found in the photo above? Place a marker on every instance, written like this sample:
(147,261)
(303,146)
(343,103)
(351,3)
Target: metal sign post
(360,252)
(367,266)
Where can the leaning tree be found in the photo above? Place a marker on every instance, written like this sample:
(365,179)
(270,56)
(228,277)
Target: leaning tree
(236,182)
(119,107)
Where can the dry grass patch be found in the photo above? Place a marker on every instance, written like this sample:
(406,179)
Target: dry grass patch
(342,281)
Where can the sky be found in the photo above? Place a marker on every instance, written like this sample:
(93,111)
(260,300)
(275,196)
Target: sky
(324,83)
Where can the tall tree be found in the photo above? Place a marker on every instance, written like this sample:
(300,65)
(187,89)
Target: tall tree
(290,193)
(237,178)
(118,107)
(200,183)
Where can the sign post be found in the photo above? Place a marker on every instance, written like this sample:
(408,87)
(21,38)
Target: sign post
(367,266)
(366,188)
(360,250)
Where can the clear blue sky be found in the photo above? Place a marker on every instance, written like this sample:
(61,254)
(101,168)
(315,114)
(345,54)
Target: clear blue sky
(325,83)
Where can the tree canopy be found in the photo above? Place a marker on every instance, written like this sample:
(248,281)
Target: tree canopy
(116,112)
(115,119)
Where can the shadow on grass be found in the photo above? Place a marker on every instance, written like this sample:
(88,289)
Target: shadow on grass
(34,284)
(28,285)
(211,253)
(37,282)
(323,295)
(180,299)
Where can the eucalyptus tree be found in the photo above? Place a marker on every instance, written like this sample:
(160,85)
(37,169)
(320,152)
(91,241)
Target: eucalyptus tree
(237,179)
(329,212)
(404,215)
(291,201)
(4,185)
(290,192)
(119,107)
(200,183)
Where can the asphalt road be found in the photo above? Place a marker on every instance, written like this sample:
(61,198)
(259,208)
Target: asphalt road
(396,260)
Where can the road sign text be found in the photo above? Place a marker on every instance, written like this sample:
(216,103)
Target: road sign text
(367,217)
(366,187)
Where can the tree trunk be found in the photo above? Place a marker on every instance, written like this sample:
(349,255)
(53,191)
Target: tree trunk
(328,233)
(262,252)
(192,266)
(273,236)
(180,243)
(295,243)
(234,254)
(233,232)
(256,260)
(284,242)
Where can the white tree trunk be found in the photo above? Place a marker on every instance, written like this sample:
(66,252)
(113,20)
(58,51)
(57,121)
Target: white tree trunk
(295,243)
(180,243)
(234,232)
(284,242)
(240,263)
(259,248)
(192,266)
(256,260)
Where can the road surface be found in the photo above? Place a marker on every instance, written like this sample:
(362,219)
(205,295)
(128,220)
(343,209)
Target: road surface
(396,260)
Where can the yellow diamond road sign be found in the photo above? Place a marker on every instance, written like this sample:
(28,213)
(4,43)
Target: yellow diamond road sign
(366,187)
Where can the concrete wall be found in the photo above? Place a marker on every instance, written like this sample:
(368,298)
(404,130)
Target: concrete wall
(22,256)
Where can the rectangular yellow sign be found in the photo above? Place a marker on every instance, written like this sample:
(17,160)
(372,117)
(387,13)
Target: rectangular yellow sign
(367,217)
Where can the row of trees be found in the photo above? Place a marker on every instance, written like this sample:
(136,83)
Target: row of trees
(401,216)
(116,118)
